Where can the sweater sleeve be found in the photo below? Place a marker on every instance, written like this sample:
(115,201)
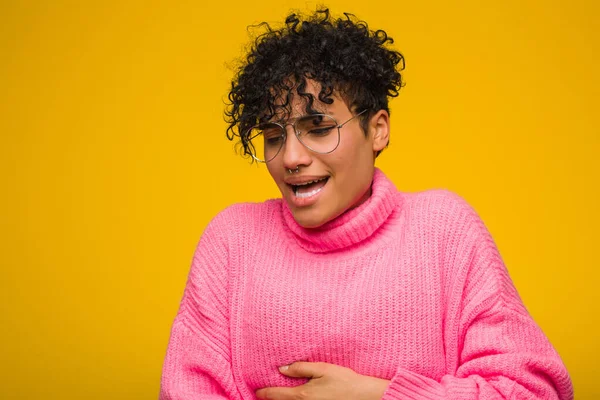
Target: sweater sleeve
(198,360)
(494,348)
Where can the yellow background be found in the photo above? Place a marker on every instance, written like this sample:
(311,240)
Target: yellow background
(113,159)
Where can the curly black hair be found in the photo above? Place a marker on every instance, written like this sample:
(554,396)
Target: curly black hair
(340,54)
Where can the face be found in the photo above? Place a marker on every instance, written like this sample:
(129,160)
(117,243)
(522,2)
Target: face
(343,176)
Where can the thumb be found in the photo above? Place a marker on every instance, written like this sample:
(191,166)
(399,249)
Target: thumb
(303,369)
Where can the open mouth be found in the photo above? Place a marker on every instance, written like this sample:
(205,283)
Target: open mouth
(309,188)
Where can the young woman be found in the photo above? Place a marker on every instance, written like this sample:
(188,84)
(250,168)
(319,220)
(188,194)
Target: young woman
(345,288)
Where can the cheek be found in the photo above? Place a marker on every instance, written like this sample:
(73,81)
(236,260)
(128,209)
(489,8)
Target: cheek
(275,173)
(271,170)
(353,166)
(350,155)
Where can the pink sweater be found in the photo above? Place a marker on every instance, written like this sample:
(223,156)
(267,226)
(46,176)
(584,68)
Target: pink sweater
(408,287)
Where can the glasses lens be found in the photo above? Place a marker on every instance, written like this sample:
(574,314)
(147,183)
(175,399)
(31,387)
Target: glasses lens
(265,141)
(318,132)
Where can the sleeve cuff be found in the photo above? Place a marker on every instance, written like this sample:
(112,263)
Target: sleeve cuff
(410,385)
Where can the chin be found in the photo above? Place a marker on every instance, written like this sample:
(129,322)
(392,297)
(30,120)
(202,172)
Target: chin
(308,221)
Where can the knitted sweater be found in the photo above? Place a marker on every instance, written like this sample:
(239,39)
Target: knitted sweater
(407,287)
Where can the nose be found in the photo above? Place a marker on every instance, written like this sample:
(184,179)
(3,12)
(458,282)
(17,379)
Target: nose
(295,154)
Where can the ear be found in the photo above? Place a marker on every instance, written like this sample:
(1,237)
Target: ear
(379,127)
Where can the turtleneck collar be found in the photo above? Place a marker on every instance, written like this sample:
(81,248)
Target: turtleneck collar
(353,226)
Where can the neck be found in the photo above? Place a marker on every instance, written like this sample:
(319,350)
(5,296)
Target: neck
(363,198)
(354,225)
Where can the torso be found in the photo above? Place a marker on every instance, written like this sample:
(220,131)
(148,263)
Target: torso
(361,310)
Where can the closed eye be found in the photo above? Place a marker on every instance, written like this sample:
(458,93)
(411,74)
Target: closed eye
(320,131)
(273,140)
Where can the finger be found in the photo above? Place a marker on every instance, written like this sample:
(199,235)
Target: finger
(304,369)
(275,393)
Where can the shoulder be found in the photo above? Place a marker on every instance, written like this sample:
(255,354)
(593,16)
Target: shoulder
(441,206)
(443,197)
(447,216)
(241,218)
(458,225)
(230,228)
(466,246)
(244,213)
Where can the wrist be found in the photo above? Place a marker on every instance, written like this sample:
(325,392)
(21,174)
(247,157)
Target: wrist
(373,388)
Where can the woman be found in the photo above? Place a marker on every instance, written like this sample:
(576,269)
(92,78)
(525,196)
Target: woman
(345,288)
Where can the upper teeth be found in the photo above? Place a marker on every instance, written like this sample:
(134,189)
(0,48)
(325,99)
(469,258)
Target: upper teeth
(309,182)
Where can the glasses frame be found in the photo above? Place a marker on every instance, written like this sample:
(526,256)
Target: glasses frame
(293,124)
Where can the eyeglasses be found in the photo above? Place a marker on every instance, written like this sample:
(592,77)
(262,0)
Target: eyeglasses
(319,133)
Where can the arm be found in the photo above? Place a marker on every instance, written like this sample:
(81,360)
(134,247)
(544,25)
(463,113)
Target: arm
(494,349)
(198,360)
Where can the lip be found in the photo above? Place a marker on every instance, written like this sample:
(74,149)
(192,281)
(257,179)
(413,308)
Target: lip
(298,180)
(304,201)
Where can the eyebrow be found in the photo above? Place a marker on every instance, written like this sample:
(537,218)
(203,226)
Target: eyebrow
(281,121)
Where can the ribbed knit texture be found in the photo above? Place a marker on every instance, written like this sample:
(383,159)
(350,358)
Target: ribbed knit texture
(408,287)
